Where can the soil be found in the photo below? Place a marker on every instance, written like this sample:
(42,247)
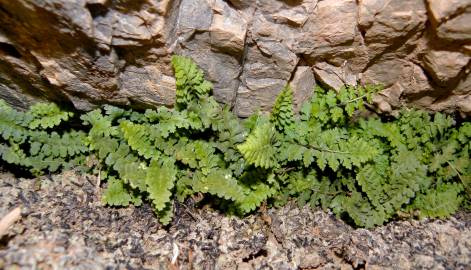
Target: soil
(64,225)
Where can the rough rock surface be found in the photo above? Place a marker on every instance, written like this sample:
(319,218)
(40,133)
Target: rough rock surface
(89,52)
(64,226)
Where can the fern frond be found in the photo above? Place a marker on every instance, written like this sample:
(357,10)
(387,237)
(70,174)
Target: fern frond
(171,121)
(408,177)
(137,137)
(101,125)
(116,194)
(219,183)
(189,80)
(373,183)
(362,212)
(204,112)
(259,149)
(160,179)
(13,154)
(440,202)
(132,171)
(282,115)
(12,123)
(47,115)
(165,215)
(254,196)
(331,109)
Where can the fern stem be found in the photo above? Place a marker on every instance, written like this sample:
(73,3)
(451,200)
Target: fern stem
(285,170)
(352,100)
(323,149)
(457,172)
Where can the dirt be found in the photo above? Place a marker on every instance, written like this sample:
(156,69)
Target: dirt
(65,226)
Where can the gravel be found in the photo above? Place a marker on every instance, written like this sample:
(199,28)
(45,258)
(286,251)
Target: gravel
(64,225)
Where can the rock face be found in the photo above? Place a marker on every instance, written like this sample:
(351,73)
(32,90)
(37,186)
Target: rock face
(90,52)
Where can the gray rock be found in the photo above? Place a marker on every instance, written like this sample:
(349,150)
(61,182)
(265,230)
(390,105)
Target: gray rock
(228,29)
(458,28)
(147,86)
(195,15)
(302,83)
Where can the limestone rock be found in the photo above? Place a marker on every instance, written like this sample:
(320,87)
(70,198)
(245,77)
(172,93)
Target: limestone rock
(228,30)
(334,77)
(90,52)
(441,10)
(458,28)
(330,32)
(445,65)
(388,24)
(302,84)
(451,18)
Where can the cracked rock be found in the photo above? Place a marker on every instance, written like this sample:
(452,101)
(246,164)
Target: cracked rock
(83,53)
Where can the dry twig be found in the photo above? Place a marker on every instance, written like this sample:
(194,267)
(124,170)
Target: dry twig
(9,219)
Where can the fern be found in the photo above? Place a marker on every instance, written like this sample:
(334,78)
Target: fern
(137,137)
(47,115)
(27,146)
(258,185)
(219,183)
(282,115)
(13,124)
(331,109)
(160,179)
(259,149)
(255,195)
(166,215)
(369,170)
(190,81)
(439,202)
(117,194)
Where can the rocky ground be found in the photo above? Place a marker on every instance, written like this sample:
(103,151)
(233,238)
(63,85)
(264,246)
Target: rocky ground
(64,226)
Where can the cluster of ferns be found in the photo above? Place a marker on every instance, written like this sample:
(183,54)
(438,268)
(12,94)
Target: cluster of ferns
(367,170)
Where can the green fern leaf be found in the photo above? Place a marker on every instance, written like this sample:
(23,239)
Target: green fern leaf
(282,115)
(160,180)
(12,123)
(116,194)
(189,80)
(440,202)
(362,212)
(101,125)
(137,136)
(47,115)
(165,215)
(254,196)
(219,183)
(259,149)
(372,181)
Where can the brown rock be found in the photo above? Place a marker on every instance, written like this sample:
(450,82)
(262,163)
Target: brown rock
(228,30)
(302,83)
(90,52)
(444,65)
(387,24)
(441,10)
(452,19)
